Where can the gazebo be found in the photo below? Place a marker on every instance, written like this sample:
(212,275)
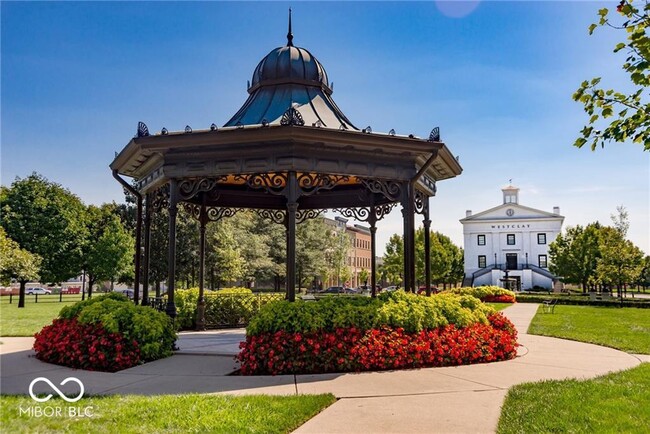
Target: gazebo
(289,153)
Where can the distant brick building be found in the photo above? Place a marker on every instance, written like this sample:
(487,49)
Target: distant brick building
(358,257)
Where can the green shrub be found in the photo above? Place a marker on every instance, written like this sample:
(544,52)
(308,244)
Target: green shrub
(243,291)
(397,309)
(226,307)
(186,301)
(152,330)
(485,293)
(72,311)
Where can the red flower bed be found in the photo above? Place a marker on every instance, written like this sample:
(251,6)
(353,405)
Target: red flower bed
(85,346)
(351,349)
(499,299)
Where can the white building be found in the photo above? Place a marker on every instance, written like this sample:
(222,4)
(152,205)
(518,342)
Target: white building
(507,245)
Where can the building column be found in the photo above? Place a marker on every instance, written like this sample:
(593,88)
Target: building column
(200,307)
(171,258)
(147,250)
(292,208)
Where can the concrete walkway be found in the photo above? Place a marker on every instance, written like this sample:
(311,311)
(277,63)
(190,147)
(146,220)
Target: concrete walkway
(451,399)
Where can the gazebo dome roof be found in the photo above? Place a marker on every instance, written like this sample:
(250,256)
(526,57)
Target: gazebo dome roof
(290,78)
(290,65)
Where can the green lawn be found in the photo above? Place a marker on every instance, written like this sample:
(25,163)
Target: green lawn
(626,329)
(33,317)
(618,402)
(169,414)
(499,306)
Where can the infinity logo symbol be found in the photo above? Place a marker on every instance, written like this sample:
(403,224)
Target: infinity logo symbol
(61,394)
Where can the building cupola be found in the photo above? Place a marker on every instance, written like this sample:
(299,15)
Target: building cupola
(510,194)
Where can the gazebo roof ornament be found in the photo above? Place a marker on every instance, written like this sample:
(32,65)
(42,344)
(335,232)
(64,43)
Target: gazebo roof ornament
(289,34)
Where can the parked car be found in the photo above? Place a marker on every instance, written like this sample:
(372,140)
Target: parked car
(333,290)
(390,288)
(367,290)
(127,292)
(39,291)
(423,290)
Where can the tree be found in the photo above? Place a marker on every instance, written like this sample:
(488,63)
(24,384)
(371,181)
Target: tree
(17,263)
(394,259)
(254,248)
(447,266)
(574,255)
(310,261)
(620,262)
(336,246)
(364,276)
(644,277)
(631,111)
(47,220)
(274,236)
(224,258)
(621,221)
(108,249)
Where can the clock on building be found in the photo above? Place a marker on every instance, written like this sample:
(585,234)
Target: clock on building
(510,212)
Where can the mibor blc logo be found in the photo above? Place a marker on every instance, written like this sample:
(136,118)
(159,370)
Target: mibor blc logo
(56,389)
(56,411)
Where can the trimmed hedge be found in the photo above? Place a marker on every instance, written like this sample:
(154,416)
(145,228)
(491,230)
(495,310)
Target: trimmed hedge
(491,294)
(229,307)
(585,301)
(142,329)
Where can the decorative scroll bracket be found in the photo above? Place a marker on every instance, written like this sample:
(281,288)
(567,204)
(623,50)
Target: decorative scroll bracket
(311,183)
(421,203)
(392,190)
(160,198)
(189,188)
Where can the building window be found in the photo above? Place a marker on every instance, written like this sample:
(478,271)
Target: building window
(542,261)
(481,261)
(541,238)
(510,239)
(481,240)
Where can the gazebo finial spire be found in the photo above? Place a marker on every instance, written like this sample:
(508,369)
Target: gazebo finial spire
(289,34)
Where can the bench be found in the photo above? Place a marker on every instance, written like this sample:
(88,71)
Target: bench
(548,306)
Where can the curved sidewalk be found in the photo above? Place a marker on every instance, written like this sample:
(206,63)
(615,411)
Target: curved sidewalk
(452,399)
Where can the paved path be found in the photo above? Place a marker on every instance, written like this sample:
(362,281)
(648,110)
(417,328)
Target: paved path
(451,399)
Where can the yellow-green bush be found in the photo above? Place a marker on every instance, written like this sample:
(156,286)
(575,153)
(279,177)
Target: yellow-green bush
(226,307)
(397,309)
(485,293)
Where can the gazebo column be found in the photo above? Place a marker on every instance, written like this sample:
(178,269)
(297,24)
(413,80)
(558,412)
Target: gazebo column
(171,259)
(200,307)
(408,214)
(147,250)
(138,251)
(427,248)
(291,193)
(372,219)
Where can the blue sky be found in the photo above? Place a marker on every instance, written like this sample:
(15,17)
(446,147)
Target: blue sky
(497,80)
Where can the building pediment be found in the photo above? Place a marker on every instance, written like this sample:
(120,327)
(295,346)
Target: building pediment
(510,211)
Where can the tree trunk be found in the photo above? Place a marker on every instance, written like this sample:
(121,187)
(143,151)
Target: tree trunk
(21,296)
(157,288)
